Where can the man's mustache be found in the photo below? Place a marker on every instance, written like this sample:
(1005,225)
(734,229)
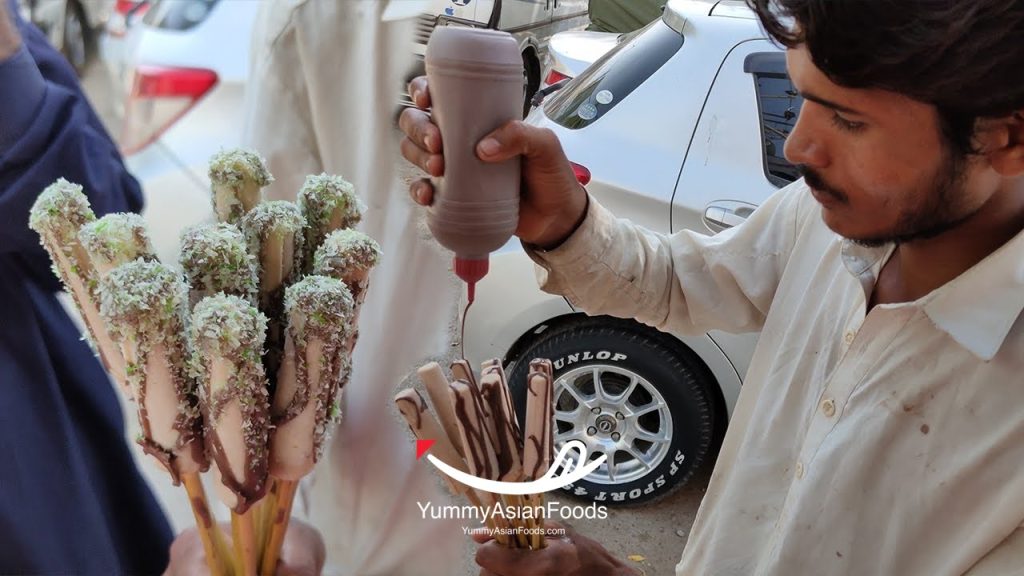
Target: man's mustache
(815,180)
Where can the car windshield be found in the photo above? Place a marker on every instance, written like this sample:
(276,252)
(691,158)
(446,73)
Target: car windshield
(614,76)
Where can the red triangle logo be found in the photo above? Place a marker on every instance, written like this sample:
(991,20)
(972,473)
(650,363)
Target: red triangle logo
(422,446)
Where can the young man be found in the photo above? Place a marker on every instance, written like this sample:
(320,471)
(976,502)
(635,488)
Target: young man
(879,429)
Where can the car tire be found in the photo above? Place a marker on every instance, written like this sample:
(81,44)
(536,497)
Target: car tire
(665,371)
(531,79)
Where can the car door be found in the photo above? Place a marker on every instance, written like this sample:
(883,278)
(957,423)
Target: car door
(565,9)
(460,10)
(736,160)
(518,15)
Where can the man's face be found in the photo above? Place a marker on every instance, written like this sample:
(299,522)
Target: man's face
(877,162)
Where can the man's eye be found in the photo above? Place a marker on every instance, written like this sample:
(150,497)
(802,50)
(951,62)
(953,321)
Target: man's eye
(847,125)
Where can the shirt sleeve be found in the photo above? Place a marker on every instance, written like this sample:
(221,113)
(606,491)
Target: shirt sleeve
(48,131)
(686,283)
(1005,559)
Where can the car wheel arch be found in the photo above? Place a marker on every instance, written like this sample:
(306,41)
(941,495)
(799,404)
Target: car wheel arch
(722,375)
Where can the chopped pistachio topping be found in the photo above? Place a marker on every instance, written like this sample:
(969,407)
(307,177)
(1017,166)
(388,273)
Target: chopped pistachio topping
(238,166)
(141,298)
(61,209)
(323,196)
(274,217)
(327,197)
(228,326)
(116,239)
(325,305)
(237,178)
(215,259)
(344,252)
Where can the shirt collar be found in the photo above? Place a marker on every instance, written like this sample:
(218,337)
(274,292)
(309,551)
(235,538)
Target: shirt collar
(978,308)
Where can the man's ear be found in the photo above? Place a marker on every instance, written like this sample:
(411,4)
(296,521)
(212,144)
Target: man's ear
(1002,142)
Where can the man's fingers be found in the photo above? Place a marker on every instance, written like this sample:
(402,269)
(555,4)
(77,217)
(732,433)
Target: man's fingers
(481,537)
(303,552)
(422,192)
(187,555)
(419,93)
(432,164)
(516,138)
(418,127)
(552,560)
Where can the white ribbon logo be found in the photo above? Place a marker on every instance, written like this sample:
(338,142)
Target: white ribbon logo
(572,471)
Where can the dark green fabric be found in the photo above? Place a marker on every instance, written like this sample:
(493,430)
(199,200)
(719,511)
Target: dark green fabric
(623,15)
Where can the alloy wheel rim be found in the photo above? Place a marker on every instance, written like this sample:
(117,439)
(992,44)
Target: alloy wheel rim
(617,412)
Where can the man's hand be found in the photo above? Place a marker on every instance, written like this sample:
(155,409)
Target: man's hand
(10,39)
(568,554)
(302,554)
(553,203)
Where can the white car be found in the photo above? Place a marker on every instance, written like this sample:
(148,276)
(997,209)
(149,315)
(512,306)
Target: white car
(680,127)
(186,63)
(570,53)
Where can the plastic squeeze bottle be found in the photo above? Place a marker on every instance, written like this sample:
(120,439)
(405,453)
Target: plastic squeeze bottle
(476,85)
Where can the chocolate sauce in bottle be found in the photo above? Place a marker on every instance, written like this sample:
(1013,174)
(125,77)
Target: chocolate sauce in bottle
(476,85)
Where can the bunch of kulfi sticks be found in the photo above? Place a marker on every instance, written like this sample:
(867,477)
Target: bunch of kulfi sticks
(236,361)
(476,431)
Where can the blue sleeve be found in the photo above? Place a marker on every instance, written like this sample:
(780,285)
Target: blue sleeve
(48,130)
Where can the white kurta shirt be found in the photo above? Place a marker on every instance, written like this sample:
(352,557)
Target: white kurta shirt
(888,442)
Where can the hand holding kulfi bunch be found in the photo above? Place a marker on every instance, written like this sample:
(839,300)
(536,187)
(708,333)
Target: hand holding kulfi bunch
(476,431)
(236,361)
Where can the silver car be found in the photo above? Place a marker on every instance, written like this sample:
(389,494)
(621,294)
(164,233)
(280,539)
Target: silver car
(679,128)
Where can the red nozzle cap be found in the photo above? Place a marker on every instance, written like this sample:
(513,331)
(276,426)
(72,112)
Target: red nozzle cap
(471,271)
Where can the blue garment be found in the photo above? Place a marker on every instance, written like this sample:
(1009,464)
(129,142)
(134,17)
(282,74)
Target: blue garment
(71,498)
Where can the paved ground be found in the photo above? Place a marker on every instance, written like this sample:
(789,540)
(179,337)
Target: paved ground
(653,535)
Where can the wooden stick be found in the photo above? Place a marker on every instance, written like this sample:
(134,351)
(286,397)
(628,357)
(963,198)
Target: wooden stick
(282,514)
(246,556)
(265,515)
(217,553)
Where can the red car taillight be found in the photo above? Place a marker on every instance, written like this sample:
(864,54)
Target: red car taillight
(125,10)
(554,77)
(581,172)
(159,97)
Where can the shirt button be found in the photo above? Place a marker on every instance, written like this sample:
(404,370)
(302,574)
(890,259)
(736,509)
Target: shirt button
(799,470)
(850,336)
(828,408)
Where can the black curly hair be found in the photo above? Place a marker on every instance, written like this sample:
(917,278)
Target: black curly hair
(965,57)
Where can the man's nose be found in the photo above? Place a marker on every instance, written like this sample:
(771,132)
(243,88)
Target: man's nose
(803,145)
